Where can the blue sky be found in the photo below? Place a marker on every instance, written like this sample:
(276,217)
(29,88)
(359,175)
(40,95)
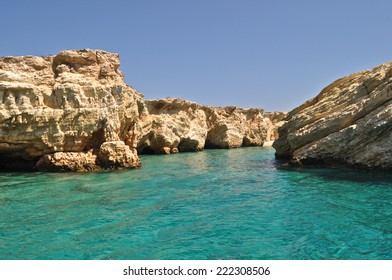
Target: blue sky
(269,54)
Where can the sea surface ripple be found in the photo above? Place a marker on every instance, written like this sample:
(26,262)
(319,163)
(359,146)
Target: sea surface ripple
(215,204)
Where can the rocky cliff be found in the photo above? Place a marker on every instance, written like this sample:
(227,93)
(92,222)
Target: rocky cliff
(73,112)
(173,125)
(68,112)
(349,122)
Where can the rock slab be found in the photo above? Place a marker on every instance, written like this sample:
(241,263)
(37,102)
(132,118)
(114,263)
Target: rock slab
(349,122)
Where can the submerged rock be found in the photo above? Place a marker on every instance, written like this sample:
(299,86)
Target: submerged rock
(58,112)
(349,122)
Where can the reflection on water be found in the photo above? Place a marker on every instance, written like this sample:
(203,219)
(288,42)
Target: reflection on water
(216,204)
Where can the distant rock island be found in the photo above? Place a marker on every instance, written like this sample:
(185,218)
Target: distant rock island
(349,122)
(73,112)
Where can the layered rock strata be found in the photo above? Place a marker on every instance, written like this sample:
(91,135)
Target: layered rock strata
(176,125)
(68,112)
(349,122)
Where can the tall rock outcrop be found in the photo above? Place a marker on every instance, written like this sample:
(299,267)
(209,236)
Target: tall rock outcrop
(349,122)
(68,112)
(172,125)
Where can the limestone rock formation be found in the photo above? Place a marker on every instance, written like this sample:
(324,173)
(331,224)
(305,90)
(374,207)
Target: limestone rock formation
(171,125)
(232,127)
(349,122)
(71,111)
(68,161)
(277,119)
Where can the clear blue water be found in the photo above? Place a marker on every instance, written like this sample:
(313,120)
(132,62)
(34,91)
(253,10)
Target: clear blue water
(215,204)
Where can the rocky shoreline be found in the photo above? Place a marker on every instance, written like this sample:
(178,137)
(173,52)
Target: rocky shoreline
(74,112)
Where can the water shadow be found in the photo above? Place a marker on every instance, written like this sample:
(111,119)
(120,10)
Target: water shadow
(338,172)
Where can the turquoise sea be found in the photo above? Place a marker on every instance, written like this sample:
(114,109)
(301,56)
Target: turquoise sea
(215,204)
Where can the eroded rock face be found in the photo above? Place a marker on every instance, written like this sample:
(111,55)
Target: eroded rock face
(73,112)
(172,124)
(277,119)
(64,112)
(175,125)
(349,122)
(68,161)
(232,127)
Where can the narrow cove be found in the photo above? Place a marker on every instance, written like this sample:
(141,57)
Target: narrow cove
(215,204)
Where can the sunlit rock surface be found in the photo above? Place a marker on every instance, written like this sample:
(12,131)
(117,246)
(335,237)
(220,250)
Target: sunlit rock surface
(58,112)
(349,122)
(173,125)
